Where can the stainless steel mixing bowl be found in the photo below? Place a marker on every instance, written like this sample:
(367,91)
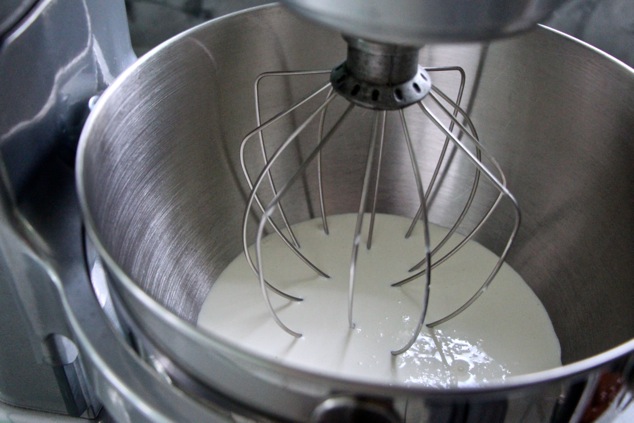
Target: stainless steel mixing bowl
(162,195)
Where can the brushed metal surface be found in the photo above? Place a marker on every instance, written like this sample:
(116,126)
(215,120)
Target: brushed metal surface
(48,74)
(158,175)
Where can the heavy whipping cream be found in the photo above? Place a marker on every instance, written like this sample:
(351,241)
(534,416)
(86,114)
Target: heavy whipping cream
(506,332)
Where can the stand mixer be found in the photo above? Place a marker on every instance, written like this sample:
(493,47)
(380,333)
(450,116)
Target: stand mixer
(162,144)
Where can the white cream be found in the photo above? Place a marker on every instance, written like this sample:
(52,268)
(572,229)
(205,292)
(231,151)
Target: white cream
(506,332)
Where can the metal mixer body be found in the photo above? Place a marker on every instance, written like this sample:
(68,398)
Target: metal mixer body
(415,23)
(156,366)
(48,75)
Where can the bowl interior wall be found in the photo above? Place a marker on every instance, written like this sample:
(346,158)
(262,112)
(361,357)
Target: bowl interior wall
(165,189)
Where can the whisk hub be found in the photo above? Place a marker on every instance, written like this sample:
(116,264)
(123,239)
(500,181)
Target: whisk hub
(380,76)
(380,96)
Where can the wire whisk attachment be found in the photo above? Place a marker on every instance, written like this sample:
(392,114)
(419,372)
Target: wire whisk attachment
(390,96)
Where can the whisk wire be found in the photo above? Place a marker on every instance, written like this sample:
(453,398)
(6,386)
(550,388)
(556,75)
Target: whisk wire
(320,179)
(466,208)
(259,130)
(375,196)
(254,187)
(472,193)
(276,199)
(421,195)
(258,80)
(256,89)
(376,133)
(501,186)
(473,134)
(441,157)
